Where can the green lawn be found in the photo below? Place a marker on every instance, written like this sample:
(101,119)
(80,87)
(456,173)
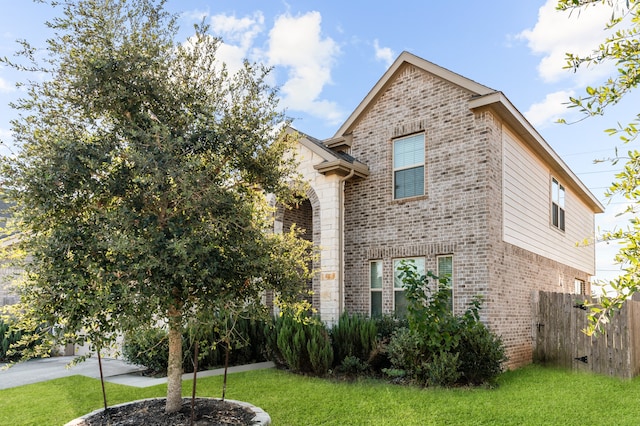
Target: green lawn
(530,396)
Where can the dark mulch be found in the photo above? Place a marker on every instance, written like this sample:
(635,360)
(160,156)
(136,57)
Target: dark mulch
(208,412)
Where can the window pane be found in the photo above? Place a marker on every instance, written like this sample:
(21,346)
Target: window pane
(445,270)
(400,303)
(418,262)
(561,196)
(561,224)
(445,266)
(376,274)
(554,190)
(554,214)
(408,151)
(409,182)
(376,303)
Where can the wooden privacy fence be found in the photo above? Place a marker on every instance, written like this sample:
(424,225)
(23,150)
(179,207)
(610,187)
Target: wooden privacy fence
(559,321)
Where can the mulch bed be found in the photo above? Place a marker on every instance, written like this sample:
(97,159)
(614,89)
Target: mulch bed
(208,412)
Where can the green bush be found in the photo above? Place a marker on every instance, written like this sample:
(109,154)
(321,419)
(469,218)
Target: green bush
(150,347)
(353,366)
(482,355)
(15,341)
(319,349)
(353,336)
(442,369)
(440,348)
(147,347)
(303,345)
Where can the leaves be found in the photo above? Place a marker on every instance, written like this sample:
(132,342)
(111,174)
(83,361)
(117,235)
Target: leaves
(622,48)
(141,177)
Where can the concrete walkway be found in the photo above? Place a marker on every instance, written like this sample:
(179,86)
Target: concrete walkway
(115,371)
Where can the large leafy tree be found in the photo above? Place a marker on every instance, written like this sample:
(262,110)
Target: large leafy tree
(622,48)
(141,177)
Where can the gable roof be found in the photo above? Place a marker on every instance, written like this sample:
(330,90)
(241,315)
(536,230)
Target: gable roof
(388,77)
(336,162)
(480,96)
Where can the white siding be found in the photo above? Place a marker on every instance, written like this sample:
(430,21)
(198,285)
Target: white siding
(526,210)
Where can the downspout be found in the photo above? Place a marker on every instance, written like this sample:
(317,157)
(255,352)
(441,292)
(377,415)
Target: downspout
(341,275)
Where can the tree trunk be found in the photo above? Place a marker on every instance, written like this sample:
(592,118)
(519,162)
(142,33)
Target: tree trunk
(174,372)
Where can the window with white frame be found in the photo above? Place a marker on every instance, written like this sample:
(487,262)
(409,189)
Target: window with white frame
(408,166)
(375,279)
(580,287)
(399,297)
(445,270)
(557,204)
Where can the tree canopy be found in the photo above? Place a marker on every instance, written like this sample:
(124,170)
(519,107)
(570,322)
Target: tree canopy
(622,49)
(142,175)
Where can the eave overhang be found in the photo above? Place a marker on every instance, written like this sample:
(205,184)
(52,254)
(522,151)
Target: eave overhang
(503,108)
(343,168)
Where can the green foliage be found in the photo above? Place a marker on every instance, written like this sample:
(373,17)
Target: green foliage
(353,336)
(141,176)
(442,369)
(150,347)
(388,324)
(302,346)
(353,366)
(440,348)
(319,349)
(16,342)
(619,49)
(482,354)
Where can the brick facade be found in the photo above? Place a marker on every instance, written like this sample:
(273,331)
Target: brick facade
(461,212)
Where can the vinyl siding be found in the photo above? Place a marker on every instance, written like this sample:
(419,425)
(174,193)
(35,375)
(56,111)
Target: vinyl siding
(527,206)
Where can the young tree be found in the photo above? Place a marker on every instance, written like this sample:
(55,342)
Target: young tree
(623,50)
(141,177)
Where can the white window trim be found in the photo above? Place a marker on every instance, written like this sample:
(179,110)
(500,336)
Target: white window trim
(397,261)
(560,202)
(376,290)
(407,167)
(451,281)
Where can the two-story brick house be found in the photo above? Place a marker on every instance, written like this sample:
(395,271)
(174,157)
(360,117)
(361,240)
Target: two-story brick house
(435,167)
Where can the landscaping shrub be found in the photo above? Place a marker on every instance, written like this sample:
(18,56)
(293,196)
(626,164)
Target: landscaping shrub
(440,348)
(482,355)
(150,347)
(304,345)
(14,340)
(319,349)
(353,336)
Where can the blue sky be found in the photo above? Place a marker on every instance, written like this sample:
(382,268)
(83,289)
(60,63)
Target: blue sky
(327,55)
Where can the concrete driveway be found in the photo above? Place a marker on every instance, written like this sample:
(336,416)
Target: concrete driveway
(115,371)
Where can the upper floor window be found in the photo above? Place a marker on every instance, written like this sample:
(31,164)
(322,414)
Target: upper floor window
(557,204)
(408,166)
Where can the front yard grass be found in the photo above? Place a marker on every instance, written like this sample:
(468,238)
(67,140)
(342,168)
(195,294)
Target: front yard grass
(533,395)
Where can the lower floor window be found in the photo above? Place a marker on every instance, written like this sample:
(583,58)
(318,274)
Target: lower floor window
(375,280)
(445,271)
(399,297)
(580,287)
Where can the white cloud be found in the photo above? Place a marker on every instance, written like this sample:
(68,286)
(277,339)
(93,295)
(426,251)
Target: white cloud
(384,54)
(553,107)
(557,33)
(5,87)
(296,43)
(238,37)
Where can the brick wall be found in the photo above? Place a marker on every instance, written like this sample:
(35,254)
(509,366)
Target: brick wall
(460,213)
(451,218)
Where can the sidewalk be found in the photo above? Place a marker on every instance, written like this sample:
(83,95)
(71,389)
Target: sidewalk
(115,371)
